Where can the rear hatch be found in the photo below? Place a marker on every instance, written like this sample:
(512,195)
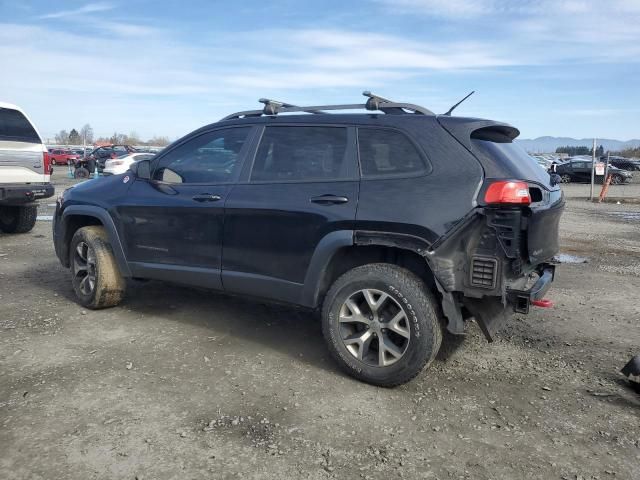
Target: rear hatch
(492,143)
(23,158)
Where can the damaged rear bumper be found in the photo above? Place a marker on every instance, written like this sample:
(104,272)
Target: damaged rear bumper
(492,312)
(521,299)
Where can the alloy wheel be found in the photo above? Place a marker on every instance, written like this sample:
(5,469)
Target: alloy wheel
(84,268)
(374,327)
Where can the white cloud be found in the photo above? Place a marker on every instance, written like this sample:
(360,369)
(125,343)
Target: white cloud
(541,31)
(459,9)
(85,9)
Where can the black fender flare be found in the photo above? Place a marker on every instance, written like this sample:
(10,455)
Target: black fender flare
(320,260)
(450,308)
(108,224)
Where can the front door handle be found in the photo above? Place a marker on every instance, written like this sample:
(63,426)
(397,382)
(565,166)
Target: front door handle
(206,197)
(329,199)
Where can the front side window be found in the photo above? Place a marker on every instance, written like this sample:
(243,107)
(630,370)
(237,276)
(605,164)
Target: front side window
(301,154)
(386,152)
(212,158)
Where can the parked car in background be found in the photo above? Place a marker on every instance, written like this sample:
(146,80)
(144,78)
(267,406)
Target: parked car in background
(579,170)
(394,225)
(61,156)
(122,163)
(624,163)
(100,155)
(24,170)
(543,162)
(80,152)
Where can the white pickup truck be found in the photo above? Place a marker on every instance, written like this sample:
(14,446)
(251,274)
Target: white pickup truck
(25,170)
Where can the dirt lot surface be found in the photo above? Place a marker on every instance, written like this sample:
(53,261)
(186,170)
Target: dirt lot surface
(186,384)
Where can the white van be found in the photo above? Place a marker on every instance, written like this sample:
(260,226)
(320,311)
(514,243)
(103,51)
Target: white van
(25,170)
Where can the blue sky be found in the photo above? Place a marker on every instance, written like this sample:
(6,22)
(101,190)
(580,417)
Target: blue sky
(550,67)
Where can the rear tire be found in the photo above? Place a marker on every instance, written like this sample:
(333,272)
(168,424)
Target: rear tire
(18,219)
(360,318)
(565,178)
(616,179)
(81,173)
(95,276)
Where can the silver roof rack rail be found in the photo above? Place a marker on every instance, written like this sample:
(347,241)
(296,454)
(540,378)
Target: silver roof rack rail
(374,103)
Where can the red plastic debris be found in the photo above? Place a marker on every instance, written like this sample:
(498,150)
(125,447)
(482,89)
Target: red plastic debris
(542,303)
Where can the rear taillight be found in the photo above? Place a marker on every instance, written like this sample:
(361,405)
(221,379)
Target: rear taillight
(46,162)
(508,192)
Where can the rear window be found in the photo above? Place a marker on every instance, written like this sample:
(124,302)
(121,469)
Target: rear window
(501,159)
(385,152)
(15,127)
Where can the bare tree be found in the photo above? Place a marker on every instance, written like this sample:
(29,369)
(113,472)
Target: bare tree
(118,138)
(133,138)
(86,134)
(159,141)
(62,137)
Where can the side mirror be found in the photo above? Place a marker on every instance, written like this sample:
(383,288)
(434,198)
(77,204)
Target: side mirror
(142,169)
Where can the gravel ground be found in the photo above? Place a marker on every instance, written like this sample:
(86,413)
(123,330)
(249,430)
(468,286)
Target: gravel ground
(182,383)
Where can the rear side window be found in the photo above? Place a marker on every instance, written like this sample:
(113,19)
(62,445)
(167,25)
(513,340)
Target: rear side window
(385,152)
(302,154)
(14,126)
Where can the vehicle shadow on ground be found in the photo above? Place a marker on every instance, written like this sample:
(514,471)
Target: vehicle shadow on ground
(295,332)
(291,331)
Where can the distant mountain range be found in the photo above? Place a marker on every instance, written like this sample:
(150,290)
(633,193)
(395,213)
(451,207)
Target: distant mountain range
(549,144)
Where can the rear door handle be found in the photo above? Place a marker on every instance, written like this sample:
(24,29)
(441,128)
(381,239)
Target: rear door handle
(206,197)
(329,199)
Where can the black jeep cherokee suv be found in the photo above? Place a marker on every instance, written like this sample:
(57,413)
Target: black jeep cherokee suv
(395,223)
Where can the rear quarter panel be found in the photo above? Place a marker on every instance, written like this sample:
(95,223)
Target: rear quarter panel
(429,205)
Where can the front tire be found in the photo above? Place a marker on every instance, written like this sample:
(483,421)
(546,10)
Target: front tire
(95,276)
(381,324)
(18,219)
(565,178)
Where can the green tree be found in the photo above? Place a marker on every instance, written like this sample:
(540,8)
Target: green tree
(573,151)
(74,137)
(600,151)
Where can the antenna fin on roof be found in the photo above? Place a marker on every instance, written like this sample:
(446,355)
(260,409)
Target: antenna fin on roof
(448,114)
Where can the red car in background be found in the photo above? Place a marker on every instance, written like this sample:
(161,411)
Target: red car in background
(60,156)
